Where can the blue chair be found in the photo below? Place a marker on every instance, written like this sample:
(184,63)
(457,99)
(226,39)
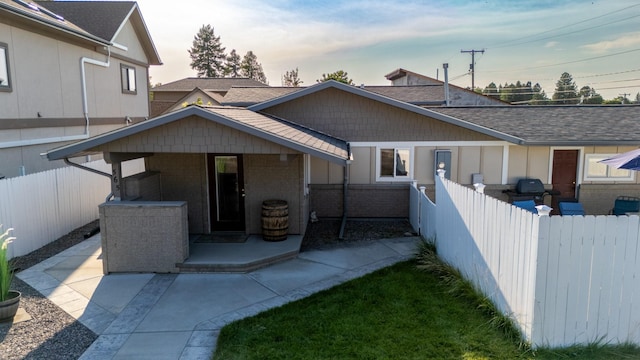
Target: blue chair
(626,204)
(570,208)
(528,205)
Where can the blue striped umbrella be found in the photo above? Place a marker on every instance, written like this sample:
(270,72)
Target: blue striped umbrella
(629,160)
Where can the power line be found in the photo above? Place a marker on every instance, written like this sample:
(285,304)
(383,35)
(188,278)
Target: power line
(567,62)
(571,32)
(505,44)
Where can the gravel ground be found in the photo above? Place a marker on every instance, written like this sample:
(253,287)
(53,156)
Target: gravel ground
(324,233)
(53,334)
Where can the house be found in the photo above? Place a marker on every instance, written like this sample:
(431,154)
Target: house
(458,96)
(211,91)
(343,151)
(69,70)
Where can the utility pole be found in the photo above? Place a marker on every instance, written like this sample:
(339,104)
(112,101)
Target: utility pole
(624,97)
(473,65)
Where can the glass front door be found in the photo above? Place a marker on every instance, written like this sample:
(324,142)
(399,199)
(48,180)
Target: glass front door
(226,192)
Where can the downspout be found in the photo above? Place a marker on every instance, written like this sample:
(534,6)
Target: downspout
(30,142)
(345,193)
(85,107)
(68,162)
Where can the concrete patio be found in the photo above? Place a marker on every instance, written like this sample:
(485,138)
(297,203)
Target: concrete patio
(178,316)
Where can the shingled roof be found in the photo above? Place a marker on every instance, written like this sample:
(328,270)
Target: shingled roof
(211,84)
(577,125)
(414,94)
(104,19)
(39,16)
(247,96)
(269,128)
(101,18)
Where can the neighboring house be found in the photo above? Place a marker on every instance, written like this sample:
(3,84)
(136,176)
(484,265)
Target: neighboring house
(331,142)
(69,70)
(458,96)
(210,91)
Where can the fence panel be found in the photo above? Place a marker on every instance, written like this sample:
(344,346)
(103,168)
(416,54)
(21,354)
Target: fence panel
(588,280)
(564,279)
(493,244)
(44,206)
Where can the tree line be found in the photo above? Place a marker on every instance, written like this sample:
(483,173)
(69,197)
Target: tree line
(566,92)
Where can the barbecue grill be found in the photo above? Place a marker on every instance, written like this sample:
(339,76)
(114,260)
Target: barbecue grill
(529,189)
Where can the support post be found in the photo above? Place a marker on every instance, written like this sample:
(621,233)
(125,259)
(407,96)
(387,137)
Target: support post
(116,181)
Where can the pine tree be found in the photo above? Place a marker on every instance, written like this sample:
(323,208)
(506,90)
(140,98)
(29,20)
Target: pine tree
(207,53)
(491,91)
(588,95)
(539,97)
(340,76)
(232,67)
(566,90)
(291,79)
(251,68)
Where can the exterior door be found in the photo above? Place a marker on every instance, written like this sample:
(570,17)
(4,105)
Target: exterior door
(565,170)
(226,192)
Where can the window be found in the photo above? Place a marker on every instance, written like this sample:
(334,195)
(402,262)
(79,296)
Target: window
(128,75)
(596,171)
(5,78)
(394,164)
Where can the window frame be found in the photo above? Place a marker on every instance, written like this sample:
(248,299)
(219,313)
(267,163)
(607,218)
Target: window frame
(7,68)
(394,177)
(126,83)
(592,159)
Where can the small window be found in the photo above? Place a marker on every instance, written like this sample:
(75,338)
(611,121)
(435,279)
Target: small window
(394,163)
(128,75)
(597,171)
(5,78)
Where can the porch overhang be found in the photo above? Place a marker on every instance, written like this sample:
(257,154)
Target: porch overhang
(269,128)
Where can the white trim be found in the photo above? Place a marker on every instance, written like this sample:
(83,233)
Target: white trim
(126,19)
(607,178)
(395,178)
(580,164)
(505,164)
(428,143)
(30,142)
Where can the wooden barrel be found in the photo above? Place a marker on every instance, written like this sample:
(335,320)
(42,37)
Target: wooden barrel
(275,220)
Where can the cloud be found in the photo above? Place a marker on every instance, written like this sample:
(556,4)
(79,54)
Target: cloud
(551,44)
(623,42)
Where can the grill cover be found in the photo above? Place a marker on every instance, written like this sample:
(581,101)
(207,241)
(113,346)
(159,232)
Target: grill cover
(529,186)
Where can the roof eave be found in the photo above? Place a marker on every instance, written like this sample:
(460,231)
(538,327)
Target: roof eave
(56,26)
(149,47)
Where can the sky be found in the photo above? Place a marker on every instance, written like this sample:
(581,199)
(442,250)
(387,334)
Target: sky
(597,42)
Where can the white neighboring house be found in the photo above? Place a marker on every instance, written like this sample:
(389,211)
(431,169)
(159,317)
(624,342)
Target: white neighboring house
(68,70)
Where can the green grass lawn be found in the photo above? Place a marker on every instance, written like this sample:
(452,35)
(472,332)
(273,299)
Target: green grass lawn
(399,312)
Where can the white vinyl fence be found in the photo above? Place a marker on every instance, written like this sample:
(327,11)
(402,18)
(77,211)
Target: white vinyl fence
(422,213)
(44,206)
(564,279)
